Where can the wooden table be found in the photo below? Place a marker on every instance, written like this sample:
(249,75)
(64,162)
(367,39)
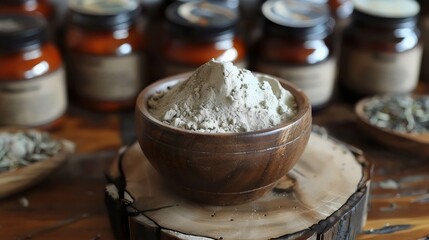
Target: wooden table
(70,205)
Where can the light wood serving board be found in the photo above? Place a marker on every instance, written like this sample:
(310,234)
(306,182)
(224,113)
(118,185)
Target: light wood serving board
(324,197)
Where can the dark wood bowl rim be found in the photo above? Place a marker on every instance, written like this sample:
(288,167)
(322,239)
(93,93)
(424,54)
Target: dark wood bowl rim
(236,152)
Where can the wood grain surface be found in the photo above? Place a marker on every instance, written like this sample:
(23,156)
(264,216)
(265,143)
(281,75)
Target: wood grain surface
(399,200)
(317,196)
(70,205)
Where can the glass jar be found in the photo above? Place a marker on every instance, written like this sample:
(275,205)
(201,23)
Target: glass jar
(341,11)
(297,45)
(424,25)
(381,50)
(198,32)
(32,81)
(43,7)
(103,45)
(155,30)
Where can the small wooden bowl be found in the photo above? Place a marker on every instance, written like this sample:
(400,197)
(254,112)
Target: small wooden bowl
(408,142)
(224,168)
(17,180)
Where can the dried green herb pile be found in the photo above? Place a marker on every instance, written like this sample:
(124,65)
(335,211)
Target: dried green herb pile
(25,147)
(400,113)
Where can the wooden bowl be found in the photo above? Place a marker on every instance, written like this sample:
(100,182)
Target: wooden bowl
(221,168)
(17,180)
(408,142)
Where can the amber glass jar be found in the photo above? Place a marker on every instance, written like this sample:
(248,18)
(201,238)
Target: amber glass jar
(381,50)
(43,7)
(103,44)
(297,45)
(155,30)
(197,32)
(32,82)
(424,25)
(341,10)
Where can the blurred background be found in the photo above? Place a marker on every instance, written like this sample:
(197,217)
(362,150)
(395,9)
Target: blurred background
(101,54)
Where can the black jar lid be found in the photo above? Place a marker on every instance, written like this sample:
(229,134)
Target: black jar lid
(15,1)
(206,21)
(297,18)
(102,14)
(19,31)
(386,13)
(231,4)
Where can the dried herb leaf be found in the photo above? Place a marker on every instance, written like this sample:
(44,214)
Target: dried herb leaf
(25,147)
(402,113)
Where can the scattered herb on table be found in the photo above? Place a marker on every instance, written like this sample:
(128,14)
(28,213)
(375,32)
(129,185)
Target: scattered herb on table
(401,113)
(25,147)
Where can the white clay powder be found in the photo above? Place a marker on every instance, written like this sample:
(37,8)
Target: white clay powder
(219,98)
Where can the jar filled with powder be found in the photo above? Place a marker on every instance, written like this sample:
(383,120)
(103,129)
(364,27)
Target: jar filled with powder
(103,43)
(297,45)
(32,81)
(199,31)
(381,49)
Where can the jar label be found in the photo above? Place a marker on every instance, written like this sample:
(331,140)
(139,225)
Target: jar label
(379,72)
(33,102)
(317,81)
(106,78)
(173,68)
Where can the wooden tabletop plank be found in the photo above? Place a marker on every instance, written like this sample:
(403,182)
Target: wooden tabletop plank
(70,205)
(399,200)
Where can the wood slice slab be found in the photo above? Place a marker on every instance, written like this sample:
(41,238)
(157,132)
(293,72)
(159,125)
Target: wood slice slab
(324,197)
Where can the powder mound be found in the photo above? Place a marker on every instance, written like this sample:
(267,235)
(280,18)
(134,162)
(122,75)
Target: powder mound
(221,98)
